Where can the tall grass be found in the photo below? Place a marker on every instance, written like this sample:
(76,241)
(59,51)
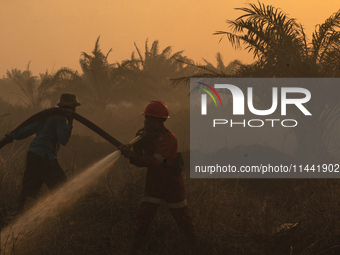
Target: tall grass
(232,216)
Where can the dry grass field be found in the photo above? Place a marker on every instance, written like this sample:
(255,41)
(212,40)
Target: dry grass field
(232,216)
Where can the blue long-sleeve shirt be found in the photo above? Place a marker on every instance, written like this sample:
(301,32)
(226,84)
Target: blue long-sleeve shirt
(49,135)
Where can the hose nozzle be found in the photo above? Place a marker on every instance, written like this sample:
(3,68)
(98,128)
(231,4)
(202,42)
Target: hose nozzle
(136,139)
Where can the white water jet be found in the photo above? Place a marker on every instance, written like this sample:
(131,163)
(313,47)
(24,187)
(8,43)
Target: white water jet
(49,206)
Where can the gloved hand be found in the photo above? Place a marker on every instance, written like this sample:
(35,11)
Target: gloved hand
(146,134)
(125,149)
(142,133)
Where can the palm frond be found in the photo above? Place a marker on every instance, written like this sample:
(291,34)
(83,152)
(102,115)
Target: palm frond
(139,54)
(154,49)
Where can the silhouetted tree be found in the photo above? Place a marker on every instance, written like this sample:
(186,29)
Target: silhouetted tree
(282,50)
(161,66)
(32,87)
(208,70)
(153,70)
(64,80)
(221,70)
(281,46)
(98,83)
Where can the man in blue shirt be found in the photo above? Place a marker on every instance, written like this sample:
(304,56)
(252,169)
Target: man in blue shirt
(42,165)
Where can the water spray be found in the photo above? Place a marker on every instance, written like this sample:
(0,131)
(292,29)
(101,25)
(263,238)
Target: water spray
(25,226)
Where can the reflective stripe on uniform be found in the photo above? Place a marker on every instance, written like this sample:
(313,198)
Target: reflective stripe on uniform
(177,205)
(152,200)
(159,201)
(159,157)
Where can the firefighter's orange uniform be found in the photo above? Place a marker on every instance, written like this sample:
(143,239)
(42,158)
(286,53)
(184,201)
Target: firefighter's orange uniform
(163,180)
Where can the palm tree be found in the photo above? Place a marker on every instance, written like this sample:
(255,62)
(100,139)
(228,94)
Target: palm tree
(31,86)
(154,69)
(221,67)
(161,66)
(280,45)
(95,86)
(97,83)
(282,50)
(221,70)
(64,80)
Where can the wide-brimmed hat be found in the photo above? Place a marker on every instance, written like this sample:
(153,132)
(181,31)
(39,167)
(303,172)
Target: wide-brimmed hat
(68,99)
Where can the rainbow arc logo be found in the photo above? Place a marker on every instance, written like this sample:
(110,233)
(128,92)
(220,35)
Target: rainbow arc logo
(209,93)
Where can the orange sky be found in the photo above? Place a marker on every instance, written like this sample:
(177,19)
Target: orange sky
(52,34)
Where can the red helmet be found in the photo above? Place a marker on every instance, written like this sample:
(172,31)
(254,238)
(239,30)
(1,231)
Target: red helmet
(156,109)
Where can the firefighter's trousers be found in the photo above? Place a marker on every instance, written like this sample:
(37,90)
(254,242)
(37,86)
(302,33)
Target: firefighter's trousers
(149,207)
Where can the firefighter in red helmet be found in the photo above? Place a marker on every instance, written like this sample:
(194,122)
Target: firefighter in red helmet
(164,181)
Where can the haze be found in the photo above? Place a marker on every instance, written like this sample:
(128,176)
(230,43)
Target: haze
(52,34)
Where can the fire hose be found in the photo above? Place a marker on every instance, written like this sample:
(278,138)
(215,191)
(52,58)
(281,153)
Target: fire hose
(41,116)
